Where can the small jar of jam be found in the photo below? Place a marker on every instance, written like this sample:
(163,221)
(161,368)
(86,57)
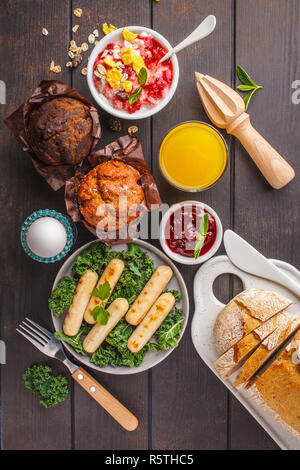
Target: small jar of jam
(181,228)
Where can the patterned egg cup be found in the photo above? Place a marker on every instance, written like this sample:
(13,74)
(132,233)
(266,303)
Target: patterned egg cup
(68,224)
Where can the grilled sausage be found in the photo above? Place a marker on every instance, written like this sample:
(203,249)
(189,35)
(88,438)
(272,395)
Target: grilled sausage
(152,290)
(111,274)
(154,318)
(98,333)
(80,300)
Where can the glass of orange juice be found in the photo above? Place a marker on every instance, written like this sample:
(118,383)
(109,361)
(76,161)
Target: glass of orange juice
(193,156)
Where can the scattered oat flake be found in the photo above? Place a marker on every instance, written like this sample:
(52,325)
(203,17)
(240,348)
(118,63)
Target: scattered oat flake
(71,55)
(84,71)
(84,46)
(78,12)
(101,69)
(72,43)
(56,69)
(96,33)
(45,32)
(132,130)
(51,65)
(69,64)
(75,28)
(91,38)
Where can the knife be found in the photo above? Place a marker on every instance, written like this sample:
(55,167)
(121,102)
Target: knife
(248,259)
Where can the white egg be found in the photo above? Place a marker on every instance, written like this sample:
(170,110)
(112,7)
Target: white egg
(46,237)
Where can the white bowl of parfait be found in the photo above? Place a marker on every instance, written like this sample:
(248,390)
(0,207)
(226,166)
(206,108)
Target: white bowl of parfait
(124,76)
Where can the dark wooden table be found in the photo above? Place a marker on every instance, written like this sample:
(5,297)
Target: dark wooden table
(180,403)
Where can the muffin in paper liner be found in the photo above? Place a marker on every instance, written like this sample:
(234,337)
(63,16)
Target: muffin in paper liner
(20,125)
(127,149)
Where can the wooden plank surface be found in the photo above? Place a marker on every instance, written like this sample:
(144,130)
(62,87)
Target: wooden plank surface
(95,429)
(268,46)
(188,401)
(180,403)
(25,285)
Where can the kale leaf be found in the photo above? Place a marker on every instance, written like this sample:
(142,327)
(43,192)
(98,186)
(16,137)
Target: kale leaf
(168,334)
(61,297)
(75,341)
(51,389)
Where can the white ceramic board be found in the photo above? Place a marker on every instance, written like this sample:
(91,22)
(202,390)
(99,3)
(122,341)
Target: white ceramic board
(152,357)
(207,308)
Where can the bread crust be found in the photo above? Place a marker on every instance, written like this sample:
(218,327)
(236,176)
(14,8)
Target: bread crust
(60,131)
(287,324)
(232,359)
(243,314)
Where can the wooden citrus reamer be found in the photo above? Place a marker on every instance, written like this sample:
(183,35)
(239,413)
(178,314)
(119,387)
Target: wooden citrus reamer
(226,109)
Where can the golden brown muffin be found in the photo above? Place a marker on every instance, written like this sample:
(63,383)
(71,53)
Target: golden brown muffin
(112,189)
(60,131)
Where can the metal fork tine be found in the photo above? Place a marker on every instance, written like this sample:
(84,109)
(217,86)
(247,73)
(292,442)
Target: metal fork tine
(39,327)
(30,339)
(35,329)
(32,333)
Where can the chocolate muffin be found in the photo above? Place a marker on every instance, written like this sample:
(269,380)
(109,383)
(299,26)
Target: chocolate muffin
(60,131)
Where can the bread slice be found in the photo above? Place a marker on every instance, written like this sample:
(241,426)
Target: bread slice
(288,324)
(277,390)
(232,359)
(243,314)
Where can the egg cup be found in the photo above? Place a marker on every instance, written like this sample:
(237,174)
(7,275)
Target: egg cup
(70,227)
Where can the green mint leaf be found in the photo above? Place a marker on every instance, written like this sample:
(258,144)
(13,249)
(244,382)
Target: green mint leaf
(103,291)
(100,315)
(245,88)
(135,95)
(203,228)
(248,97)
(142,76)
(244,77)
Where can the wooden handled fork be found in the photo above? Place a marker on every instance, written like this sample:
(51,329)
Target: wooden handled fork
(50,346)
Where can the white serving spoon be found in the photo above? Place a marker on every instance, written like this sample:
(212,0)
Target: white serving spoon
(204,29)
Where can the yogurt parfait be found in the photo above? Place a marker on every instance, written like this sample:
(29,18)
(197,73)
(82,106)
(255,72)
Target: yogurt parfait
(127,73)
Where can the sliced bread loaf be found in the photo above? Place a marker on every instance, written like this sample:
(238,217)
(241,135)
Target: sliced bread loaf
(232,359)
(287,325)
(277,390)
(243,314)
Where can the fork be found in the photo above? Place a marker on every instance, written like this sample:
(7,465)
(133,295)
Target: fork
(51,346)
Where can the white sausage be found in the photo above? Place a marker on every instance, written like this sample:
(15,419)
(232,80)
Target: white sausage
(111,274)
(150,293)
(99,332)
(80,300)
(154,318)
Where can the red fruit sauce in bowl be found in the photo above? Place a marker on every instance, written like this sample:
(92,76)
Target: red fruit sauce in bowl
(179,228)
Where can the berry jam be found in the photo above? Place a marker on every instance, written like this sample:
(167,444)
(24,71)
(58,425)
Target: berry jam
(159,81)
(182,228)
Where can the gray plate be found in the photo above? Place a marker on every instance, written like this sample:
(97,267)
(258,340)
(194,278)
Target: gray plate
(152,357)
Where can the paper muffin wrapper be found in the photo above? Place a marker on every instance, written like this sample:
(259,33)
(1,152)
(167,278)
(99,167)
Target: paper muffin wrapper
(129,150)
(17,122)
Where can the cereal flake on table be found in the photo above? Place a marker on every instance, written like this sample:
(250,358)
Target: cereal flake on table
(45,32)
(77,12)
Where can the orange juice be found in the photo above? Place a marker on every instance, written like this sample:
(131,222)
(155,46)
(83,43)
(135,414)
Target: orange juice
(193,156)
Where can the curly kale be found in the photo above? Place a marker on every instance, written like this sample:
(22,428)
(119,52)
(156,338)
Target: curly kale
(75,341)
(61,297)
(168,334)
(51,389)
(138,270)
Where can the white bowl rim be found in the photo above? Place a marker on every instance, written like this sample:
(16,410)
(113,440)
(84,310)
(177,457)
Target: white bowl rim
(183,259)
(105,104)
